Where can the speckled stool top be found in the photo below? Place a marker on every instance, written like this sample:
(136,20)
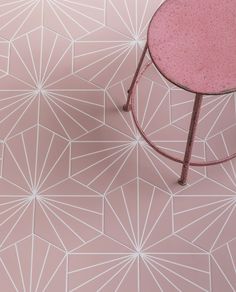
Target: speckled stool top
(193,44)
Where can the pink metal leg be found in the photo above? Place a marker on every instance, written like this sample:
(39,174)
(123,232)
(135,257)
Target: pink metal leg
(127,107)
(191,136)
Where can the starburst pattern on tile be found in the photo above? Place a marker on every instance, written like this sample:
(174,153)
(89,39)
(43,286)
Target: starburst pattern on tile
(217,112)
(18,17)
(101,159)
(72,18)
(33,265)
(69,214)
(36,159)
(114,153)
(141,248)
(85,203)
(131,17)
(205,216)
(16,213)
(223,267)
(4,56)
(153,111)
(110,54)
(42,89)
(218,147)
(30,166)
(40,170)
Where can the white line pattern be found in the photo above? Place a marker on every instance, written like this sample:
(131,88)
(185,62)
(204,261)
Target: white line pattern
(85,204)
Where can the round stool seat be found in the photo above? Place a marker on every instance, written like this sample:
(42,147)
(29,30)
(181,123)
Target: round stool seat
(193,44)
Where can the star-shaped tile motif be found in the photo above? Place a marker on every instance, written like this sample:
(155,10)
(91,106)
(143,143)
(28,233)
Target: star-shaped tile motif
(38,196)
(138,247)
(115,152)
(205,215)
(110,54)
(33,264)
(223,267)
(41,88)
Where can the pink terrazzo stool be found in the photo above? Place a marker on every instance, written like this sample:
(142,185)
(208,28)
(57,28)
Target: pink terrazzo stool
(193,44)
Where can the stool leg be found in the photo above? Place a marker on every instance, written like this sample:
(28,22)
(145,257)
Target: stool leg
(191,136)
(126,107)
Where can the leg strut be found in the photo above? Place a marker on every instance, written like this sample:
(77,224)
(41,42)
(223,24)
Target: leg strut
(126,107)
(191,136)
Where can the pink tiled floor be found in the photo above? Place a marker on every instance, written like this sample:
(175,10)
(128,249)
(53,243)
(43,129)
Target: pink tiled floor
(85,204)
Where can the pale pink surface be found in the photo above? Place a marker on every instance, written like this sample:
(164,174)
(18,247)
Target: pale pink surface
(193,44)
(85,204)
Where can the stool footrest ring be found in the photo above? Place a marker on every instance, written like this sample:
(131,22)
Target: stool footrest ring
(151,144)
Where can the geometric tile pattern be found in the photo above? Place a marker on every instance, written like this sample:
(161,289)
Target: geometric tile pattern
(85,203)
(223,267)
(4,56)
(141,248)
(110,53)
(33,264)
(41,88)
